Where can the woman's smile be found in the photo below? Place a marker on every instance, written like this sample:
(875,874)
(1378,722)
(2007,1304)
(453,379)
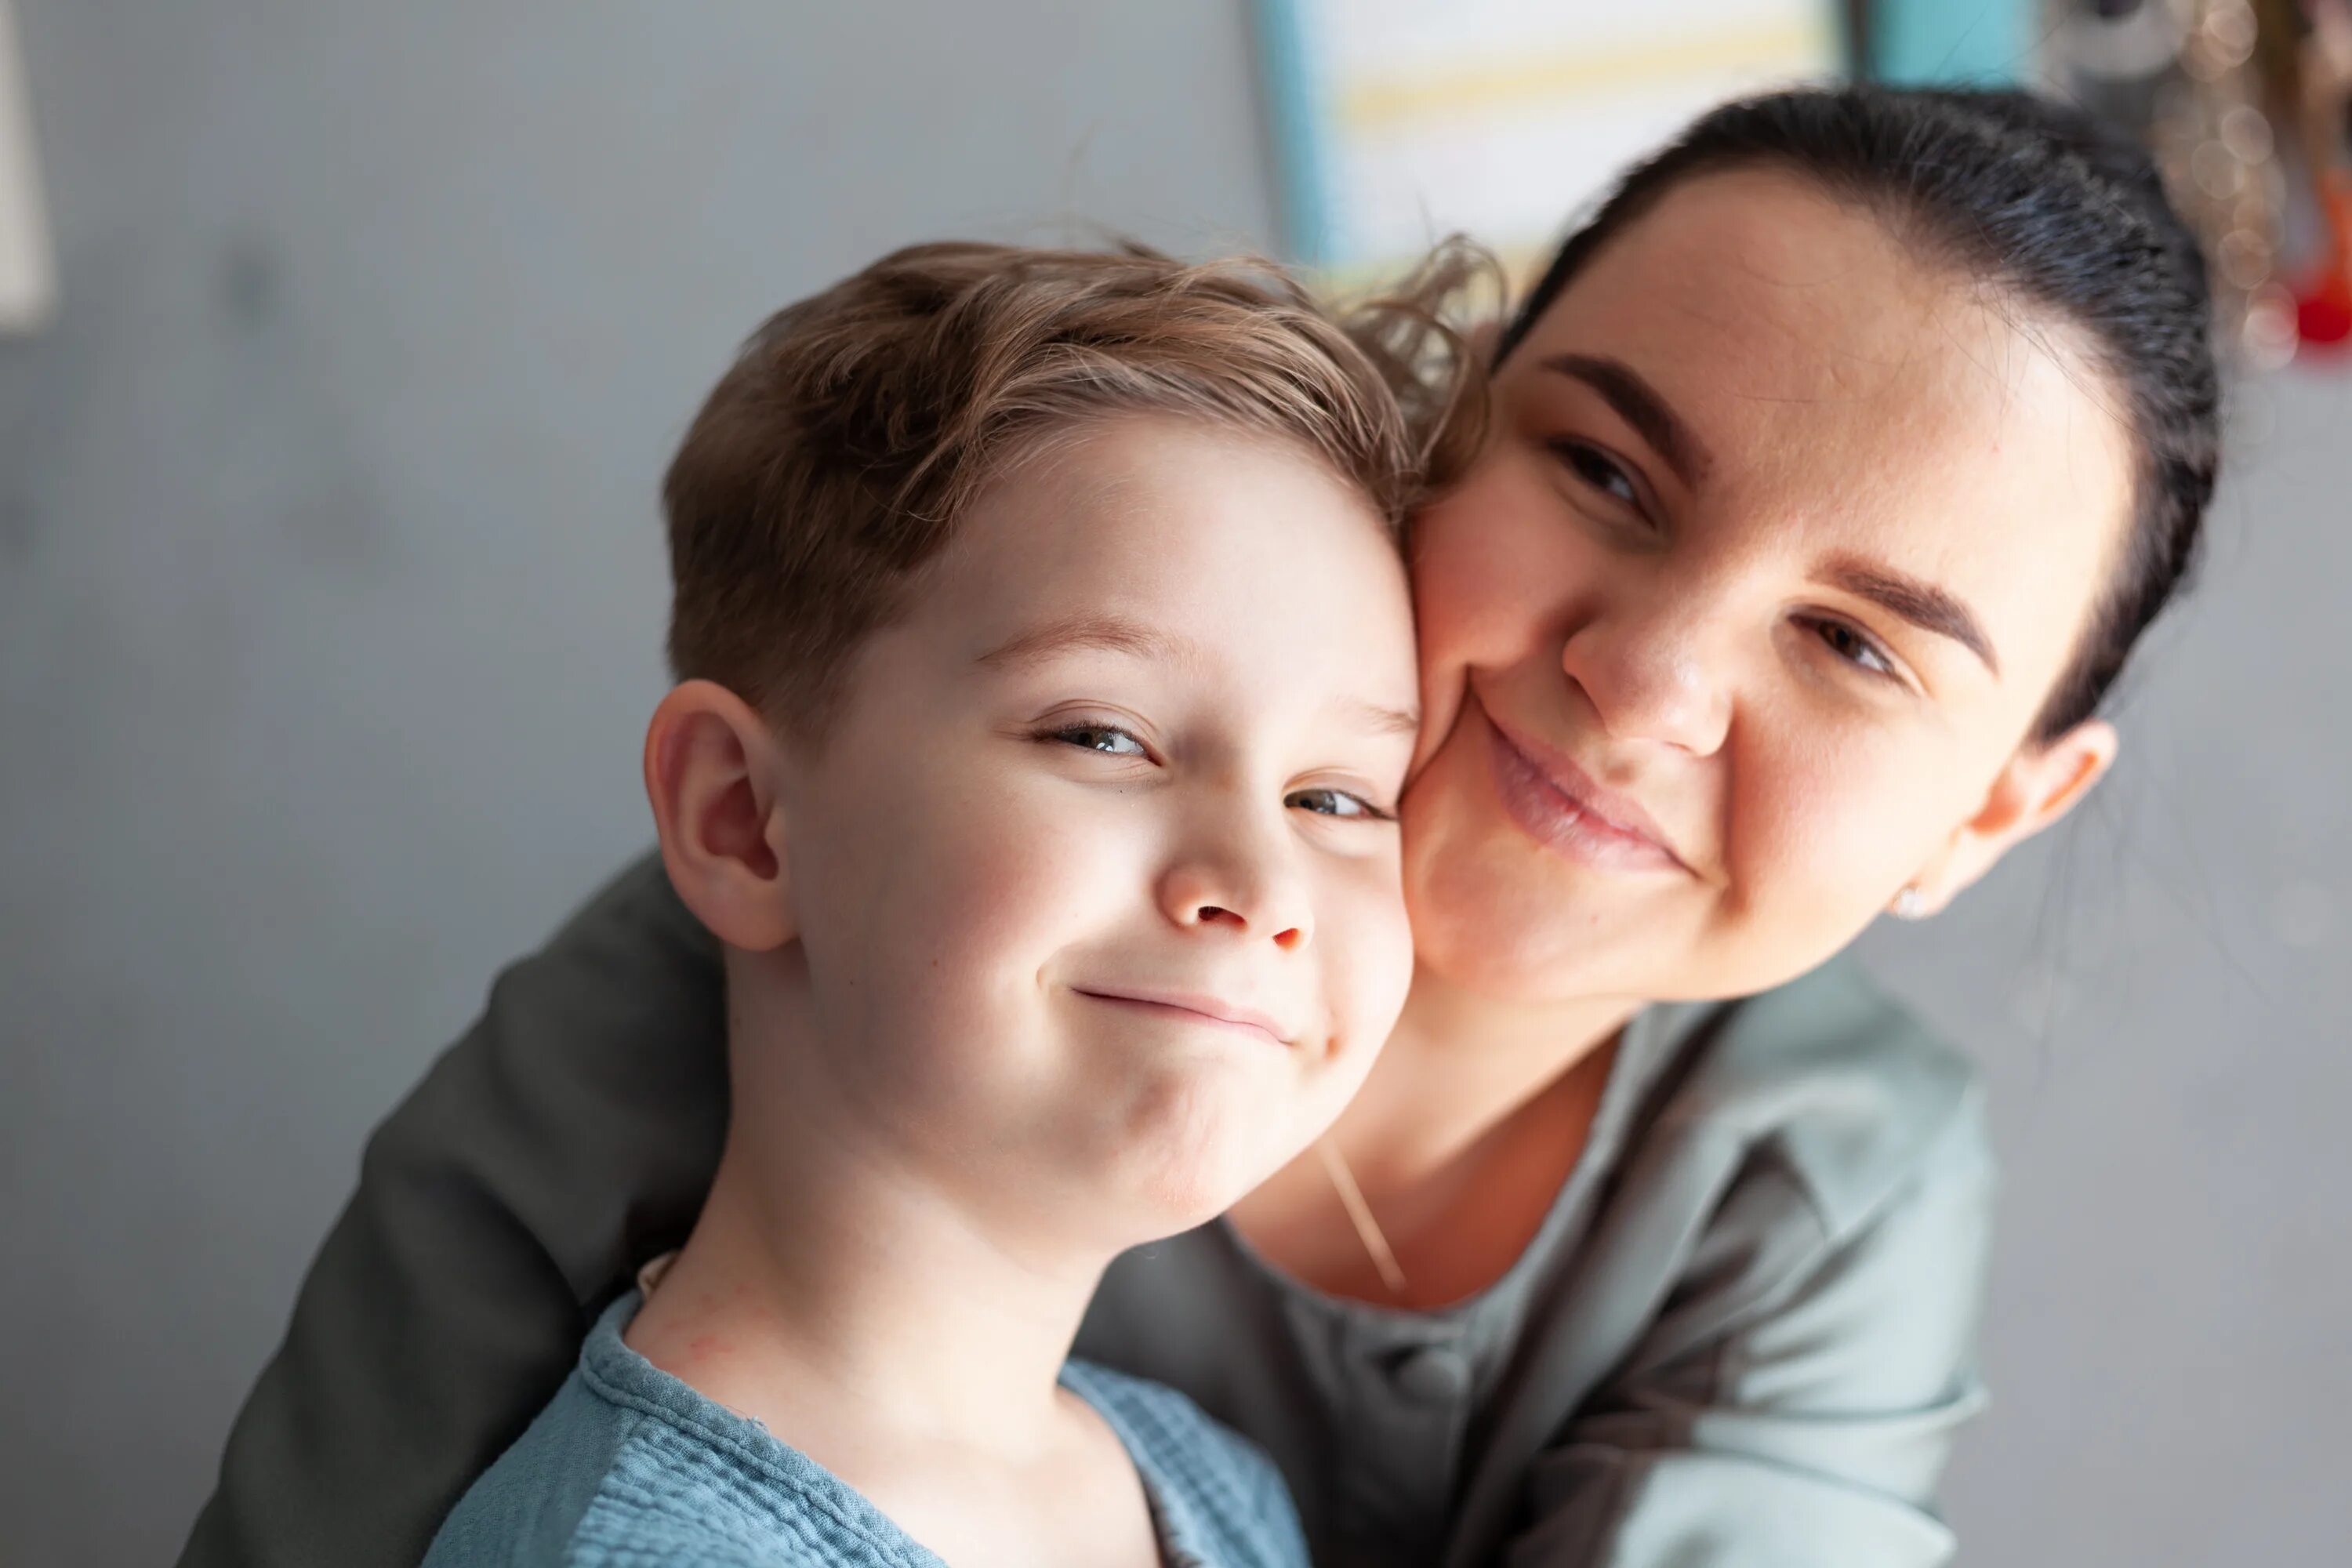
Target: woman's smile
(1561,807)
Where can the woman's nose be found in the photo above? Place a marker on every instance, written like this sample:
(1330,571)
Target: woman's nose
(1655,673)
(1240,878)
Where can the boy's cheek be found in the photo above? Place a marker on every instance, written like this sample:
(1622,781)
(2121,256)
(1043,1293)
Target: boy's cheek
(1369,958)
(1005,893)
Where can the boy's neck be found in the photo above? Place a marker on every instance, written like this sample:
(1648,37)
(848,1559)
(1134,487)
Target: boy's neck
(836,1293)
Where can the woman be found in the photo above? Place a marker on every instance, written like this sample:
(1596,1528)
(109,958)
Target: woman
(1834,468)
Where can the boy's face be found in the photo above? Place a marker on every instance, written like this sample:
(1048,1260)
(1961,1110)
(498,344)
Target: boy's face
(1095,872)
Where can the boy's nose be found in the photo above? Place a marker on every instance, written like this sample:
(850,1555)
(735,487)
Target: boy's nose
(1239,886)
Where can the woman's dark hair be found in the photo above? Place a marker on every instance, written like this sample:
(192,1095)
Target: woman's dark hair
(2052,212)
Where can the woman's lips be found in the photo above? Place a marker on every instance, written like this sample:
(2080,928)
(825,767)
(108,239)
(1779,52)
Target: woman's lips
(1558,805)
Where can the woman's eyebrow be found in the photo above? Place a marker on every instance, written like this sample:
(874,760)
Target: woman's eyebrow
(1922,604)
(1638,404)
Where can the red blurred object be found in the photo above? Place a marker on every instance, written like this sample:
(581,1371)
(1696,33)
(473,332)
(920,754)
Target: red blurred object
(2324,319)
(2323,311)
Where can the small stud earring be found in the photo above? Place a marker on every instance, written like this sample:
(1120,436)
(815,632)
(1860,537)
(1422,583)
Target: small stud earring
(1910,904)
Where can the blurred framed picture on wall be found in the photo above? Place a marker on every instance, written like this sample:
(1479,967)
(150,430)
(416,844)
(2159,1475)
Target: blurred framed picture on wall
(27,272)
(1396,121)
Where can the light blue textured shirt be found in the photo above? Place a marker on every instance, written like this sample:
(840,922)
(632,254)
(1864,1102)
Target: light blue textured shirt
(630,1467)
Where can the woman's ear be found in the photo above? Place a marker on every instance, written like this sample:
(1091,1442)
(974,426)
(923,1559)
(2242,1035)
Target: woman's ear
(712,768)
(2036,788)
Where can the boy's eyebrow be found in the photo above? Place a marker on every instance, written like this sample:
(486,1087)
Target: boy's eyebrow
(1383,720)
(1117,634)
(1112,633)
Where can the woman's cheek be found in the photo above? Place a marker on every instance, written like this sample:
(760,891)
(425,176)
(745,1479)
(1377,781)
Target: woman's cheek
(1473,550)
(1821,838)
(1489,562)
(1444,584)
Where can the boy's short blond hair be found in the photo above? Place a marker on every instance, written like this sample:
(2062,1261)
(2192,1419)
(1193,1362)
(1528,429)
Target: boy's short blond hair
(836,455)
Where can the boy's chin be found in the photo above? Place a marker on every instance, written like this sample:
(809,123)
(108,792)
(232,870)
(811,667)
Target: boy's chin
(1177,1177)
(1179,1202)
(1167,1143)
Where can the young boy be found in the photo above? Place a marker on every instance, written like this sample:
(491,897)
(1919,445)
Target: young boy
(1046,689)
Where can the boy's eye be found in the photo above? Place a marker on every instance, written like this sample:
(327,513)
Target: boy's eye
(1335,803)
(1110,741)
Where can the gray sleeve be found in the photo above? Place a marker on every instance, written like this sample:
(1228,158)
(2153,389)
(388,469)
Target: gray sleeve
(1808,1425)
(571,1133)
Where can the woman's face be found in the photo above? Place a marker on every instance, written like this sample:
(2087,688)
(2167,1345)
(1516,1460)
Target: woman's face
(1739,624)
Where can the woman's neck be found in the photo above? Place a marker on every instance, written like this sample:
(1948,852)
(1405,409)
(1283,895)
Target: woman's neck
(1458,1066)
(1471,1120)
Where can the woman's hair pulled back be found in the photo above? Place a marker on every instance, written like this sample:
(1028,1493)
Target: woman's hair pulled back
(2042,204)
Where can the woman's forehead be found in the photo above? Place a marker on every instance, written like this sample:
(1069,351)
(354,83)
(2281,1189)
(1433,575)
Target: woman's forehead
(1775,293)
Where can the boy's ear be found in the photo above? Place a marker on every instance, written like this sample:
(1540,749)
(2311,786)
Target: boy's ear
(712,767)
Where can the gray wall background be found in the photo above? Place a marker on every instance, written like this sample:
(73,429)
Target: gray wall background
(329,602)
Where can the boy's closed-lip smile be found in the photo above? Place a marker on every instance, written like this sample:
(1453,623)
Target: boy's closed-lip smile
(1193,1007)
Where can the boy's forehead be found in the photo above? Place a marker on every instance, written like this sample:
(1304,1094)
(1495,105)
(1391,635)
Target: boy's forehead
(1178,544)
(1153,509)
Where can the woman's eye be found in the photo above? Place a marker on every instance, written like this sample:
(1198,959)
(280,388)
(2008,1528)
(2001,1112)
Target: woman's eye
(1334,803)
(1107,739)
(1599,469)
(1854,648)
